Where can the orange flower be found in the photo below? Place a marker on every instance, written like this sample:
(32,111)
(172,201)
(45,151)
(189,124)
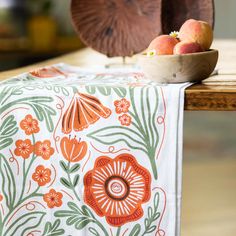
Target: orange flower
(73,150)
(44,149)
(117,188)
(24,148)
(42,175)
(125,120)
(53,198)
(122,106)
(48,72)
(29,125)
(83,111)
(1,197)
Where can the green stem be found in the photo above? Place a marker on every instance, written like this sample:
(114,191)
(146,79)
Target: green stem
(26,172)
(71,184)
(135,114)
(151,155)
(102,228)
(118,231)
(34,194)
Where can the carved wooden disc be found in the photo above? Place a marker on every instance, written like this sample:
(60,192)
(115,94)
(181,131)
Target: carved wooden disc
(176,12)
(117,27)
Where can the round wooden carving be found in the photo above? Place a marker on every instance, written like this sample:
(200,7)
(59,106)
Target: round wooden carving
(117,27)
(176,12)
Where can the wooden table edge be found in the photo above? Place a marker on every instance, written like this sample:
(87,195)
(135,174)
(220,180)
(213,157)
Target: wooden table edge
(198,97)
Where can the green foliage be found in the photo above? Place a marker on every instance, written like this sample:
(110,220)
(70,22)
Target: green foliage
(79,217)
(53,229)
(8,129)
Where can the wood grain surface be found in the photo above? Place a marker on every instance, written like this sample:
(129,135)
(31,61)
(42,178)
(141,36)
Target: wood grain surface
(176,12)
(117,28)
(216,96)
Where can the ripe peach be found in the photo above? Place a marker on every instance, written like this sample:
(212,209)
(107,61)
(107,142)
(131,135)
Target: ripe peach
(197,31)
(164,45)
(187,47)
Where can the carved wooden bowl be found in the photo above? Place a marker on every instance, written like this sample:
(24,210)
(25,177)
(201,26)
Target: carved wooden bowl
(192,67)
(117,27)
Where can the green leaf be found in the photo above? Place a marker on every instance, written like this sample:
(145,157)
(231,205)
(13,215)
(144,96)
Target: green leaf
(8,182)
(90,89)
(151,229)
(93,231)
(74,207)
(150,212)
(120,91)
(21,224)
(75,168)
(5,143)
(53,229)
(41,106)
(153,215)
(82,222)
(79,217)
(136,230)
(114,134)
(65,182)
(65,91)
(104,90)
(156,216)
(76,180)
(156,200)
(146,223)
(87,211)
(64,166)
(8,128)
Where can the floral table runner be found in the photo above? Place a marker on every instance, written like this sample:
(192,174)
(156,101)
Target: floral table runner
(89,153)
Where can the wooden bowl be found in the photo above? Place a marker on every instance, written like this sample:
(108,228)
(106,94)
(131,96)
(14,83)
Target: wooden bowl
(192,67)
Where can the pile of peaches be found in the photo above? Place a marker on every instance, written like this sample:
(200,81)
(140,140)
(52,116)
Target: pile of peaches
(194,36)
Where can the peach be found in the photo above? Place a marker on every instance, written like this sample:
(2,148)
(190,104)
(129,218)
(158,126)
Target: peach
(197,31)
(164,45)
(187,47)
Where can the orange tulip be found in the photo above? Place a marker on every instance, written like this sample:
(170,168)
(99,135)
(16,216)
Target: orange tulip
(73,150)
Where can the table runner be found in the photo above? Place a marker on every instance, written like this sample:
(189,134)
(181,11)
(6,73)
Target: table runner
(87,152)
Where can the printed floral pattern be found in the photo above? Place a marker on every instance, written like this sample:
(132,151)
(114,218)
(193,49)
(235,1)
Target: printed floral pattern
(79,155)
(29,125)
(44,149)
(125,119)
(53,198)
(83,111)
(47,72)
(24,148)
(42,175)
(116,188)
(122,106)
(73,150)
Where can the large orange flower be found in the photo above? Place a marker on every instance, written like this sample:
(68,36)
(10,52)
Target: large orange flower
(24,148)
(29,125)
(53,198)
(73,150)
(42,175)
(1,197)
(83,111)
(116,188)
(122,106)
(47,72)
(44,149)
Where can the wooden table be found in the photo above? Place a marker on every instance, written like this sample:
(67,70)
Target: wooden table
(217,93)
